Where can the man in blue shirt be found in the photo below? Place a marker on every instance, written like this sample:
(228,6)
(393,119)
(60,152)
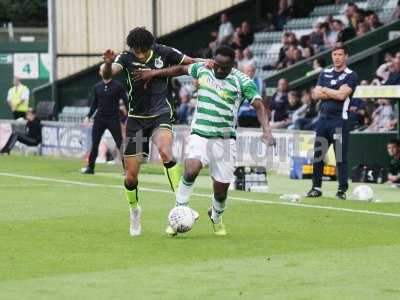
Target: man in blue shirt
(335,88)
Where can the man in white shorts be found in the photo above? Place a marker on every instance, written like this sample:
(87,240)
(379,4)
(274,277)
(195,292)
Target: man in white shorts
(213,131)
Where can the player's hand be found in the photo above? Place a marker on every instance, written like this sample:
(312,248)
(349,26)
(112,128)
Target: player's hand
(209,63)
(109,56)
(143,74)
(268,138)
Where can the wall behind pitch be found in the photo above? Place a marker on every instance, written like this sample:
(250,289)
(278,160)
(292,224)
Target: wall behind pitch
(175,14)
(91,26)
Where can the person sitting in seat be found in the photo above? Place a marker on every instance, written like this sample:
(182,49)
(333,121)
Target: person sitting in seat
(32,135)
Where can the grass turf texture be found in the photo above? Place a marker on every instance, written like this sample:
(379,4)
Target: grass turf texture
(59,240)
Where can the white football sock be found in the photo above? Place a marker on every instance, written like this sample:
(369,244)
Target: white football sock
(185,190)
(217,210)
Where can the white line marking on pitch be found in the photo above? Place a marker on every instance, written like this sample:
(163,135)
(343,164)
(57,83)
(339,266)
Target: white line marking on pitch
(367,212)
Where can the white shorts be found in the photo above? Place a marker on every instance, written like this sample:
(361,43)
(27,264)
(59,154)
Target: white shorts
(218,154)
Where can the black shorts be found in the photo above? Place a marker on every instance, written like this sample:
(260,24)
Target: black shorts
(139,132)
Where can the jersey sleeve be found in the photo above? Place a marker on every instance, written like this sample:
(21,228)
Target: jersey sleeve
(194,69)
(121,60)
(173,56)
(352,81)
(249,89)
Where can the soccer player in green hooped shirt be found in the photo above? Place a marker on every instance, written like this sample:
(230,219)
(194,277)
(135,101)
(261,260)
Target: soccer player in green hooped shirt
(213,136)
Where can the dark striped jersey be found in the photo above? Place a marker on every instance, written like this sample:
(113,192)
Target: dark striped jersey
(332,79)
(152,100)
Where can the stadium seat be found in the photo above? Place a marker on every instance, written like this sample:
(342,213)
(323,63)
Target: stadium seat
(45,110)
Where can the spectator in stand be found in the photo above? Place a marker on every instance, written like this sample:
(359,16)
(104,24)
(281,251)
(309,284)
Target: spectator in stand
(393,148)
(225,31)
(396,13)
(32,135)
(356,113)
(269,24)
(384,69)
(305,46)
(239,59)
(278,103)
(372,20)
(285,46)
(305,115)
(289,58)
(293,39)
(293,105)
(236,41)
(345,33)
(331,36)
(283,14)
(247,116)
(383,117)
(362,28)
(318,65)
(351,14)
(394,75)
(248,58)
(317,36)
(308,52)
(297,56)
(246,35)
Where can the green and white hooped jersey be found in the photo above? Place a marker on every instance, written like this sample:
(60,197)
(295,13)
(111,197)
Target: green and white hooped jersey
(218,101)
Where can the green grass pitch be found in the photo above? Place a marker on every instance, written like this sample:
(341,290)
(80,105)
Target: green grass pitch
(65,236)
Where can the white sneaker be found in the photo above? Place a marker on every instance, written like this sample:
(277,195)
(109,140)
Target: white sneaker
(135,227)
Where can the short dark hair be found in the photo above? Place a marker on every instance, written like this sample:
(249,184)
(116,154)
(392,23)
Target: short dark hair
(394,142)
(340,46)
(140,38)
(226,51)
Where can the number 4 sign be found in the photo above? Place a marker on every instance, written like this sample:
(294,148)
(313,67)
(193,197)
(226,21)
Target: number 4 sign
(26,65)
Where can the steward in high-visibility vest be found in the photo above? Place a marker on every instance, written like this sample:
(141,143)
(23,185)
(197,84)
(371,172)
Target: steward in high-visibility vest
(18,99)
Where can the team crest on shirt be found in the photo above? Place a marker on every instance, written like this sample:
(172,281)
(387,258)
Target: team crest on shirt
(333,82)
(341,77)
(158,63)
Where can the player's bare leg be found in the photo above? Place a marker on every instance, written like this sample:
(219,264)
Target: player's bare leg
(163,139)
(218,206)
(132,167)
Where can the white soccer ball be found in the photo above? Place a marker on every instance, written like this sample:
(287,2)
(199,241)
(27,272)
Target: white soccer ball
(363,193)
(181,219)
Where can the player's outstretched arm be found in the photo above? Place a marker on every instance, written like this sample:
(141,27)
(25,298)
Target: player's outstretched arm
(146,75)
(208,63)
(108,69)
(262,117)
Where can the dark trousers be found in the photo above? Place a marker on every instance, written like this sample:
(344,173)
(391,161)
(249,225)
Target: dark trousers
(99,126)
(20,137)
(248,121)
(19,114)
(330,131)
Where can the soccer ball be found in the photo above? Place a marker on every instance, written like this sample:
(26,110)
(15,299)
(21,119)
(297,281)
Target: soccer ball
(181,219)
(363,193)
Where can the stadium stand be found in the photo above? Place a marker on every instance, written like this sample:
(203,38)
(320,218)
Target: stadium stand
(270,49)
